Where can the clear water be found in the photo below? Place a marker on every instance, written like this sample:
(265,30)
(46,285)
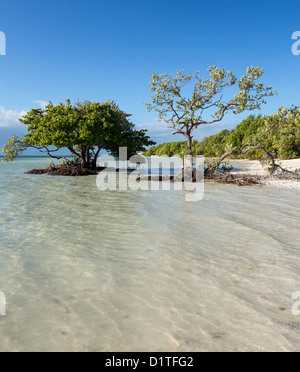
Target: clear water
(85,270)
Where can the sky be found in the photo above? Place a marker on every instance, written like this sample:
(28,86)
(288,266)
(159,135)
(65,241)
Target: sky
(99,50)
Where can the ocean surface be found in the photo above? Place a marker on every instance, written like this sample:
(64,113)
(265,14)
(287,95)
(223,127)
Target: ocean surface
(90,270)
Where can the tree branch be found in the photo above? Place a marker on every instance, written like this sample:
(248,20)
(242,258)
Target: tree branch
(49,152)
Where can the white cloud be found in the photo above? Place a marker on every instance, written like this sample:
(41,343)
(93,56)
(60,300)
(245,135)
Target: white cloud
(41,103)
(9,118)
(157,128)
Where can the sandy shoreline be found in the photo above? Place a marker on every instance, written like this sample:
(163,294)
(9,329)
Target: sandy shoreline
(253,167)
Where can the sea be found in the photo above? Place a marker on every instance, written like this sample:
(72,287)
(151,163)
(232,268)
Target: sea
(131,271)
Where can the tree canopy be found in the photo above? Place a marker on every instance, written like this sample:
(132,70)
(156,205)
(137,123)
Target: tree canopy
(207,104)
(84,128)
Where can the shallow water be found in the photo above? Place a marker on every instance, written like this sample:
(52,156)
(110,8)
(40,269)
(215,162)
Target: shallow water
(85,270)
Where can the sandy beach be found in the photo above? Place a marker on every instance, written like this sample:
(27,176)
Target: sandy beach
(253,167)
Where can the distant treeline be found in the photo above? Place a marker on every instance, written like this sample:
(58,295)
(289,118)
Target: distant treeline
(283,143)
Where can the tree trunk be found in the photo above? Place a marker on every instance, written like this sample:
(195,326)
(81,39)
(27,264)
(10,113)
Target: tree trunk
(188,161)
(83,159)
(88,156)
(94,161)
(189,143)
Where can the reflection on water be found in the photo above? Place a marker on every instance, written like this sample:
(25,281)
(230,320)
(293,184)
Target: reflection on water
(85,270)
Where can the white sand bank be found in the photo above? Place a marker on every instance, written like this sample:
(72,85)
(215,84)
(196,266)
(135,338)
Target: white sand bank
(253,167)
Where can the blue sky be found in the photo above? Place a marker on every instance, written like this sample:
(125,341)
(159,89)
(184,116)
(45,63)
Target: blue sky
(97,49)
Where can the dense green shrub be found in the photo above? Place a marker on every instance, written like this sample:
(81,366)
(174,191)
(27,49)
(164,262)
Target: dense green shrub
(283,142)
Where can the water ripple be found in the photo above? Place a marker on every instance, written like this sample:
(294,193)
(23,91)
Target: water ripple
(85,270)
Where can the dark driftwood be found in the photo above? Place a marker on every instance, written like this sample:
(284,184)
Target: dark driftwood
(235,179)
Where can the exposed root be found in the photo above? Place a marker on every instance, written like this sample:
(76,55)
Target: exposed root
(209,176)
(67,169)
